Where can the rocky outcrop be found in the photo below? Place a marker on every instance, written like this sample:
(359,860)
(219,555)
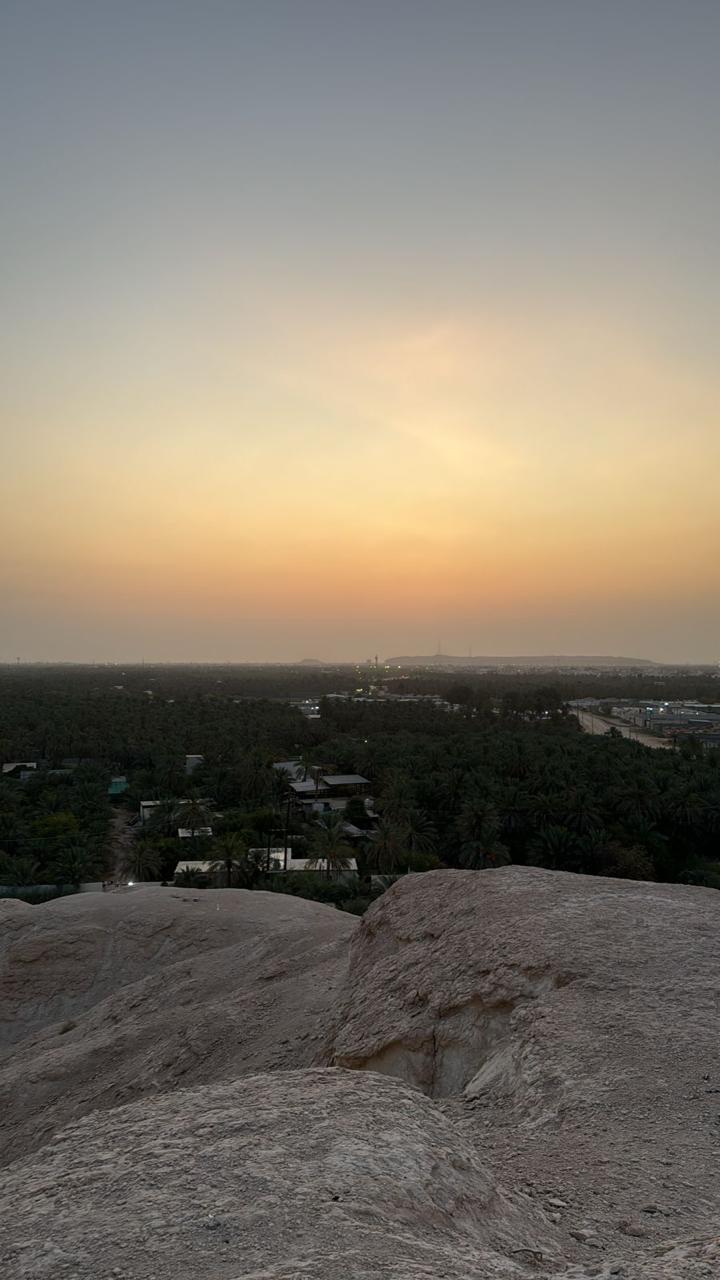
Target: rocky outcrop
(321,1174)
(63,958)
(568,1023)
(158,989)
(511,1073)
(516,981)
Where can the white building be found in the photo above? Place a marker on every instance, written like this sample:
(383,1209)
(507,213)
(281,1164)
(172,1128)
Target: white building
(147,808)
(278,863)
(23,767)
(276,855)
(330,793)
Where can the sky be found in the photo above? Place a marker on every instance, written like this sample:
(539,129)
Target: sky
(333,328)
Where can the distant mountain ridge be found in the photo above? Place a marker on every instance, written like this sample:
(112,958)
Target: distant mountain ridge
(525,660)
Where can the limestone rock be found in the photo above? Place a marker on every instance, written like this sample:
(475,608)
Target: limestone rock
(553,1040)
(569,1023)
(62,958)
(319,1173)
(164,987)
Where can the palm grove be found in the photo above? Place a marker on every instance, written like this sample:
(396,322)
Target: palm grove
(508,778)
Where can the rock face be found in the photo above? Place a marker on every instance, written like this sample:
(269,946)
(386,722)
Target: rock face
(547,988)
(570,1025)
(511,1073)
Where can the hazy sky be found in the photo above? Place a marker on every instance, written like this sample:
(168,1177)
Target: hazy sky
(343,327)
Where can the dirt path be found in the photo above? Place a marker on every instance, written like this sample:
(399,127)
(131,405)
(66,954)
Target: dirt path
(121,838)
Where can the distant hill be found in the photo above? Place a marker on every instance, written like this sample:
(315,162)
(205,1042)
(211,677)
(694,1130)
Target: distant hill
(547,661)
(310,662)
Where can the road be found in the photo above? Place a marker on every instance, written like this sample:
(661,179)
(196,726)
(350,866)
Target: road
(593,723)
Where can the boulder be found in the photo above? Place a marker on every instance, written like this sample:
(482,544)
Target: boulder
(570,1021)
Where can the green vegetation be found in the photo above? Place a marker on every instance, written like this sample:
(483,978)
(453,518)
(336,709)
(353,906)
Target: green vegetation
(329,848)
(54,827)
(506,778)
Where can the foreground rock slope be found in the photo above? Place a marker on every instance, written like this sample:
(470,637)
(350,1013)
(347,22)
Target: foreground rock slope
(136,993)
(570,1025)
(507,1073)
(309,1173)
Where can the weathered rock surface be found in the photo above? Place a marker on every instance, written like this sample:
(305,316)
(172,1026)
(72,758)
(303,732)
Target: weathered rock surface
(321,1174)
(559,1034)
(62,958)
(254,989)
(571,1027)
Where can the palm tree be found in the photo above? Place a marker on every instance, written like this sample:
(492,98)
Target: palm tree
(329,847)
(306,764)
(53,800)
(514,811)
(686,809)
(398,796)
(254,780)
(711,815)
(8,825)
(233,861)
(479,829)
(478,819)
(580,813)
(18,869)
(193,814)
(389,849)
(142,861)
(169,776)
(636,800)
(420,832)
(73,866)
(594,848)
(163,820)
(555,847)
(643,831)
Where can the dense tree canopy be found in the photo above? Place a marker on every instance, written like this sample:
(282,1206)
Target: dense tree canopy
(507,776)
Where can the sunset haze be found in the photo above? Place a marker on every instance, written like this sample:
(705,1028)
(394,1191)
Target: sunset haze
(339,329)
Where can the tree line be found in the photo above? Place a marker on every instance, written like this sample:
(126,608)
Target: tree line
(507,777)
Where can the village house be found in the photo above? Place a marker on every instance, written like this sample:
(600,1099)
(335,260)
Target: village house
(329,792)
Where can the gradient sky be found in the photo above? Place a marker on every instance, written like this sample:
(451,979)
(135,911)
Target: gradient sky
(335,328)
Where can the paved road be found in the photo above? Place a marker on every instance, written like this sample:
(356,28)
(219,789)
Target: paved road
(592,723)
